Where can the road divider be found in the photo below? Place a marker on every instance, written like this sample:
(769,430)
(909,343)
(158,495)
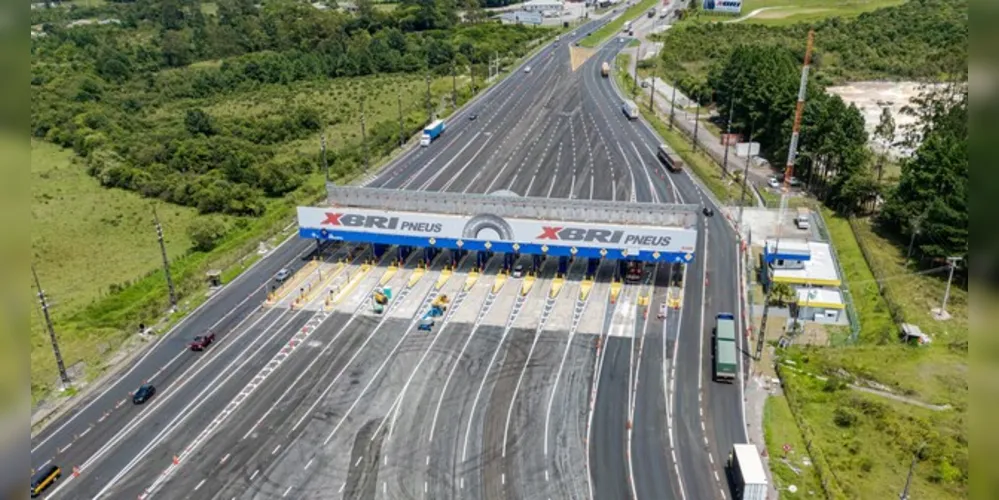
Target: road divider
(314,291)
(556,287)
(352,282)
(293,283)
(584,289)
(389,273)
(416,276)
(443,278)
(615,291)
(525,287)
(499,282)
(470,280)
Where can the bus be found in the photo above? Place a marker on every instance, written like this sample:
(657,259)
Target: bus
(672,162)
(725,366)
(634,272)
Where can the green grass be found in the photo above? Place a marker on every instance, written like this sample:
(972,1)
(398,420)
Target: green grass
(864,443)
(610,29)
(703,166)
(786,12)
(779,429)
(875,321)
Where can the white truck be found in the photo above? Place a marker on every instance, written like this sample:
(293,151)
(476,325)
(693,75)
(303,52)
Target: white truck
(748,475)
(630,109)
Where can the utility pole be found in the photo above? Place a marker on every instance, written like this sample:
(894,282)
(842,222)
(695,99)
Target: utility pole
(471,73)
(402,129)
(322,149)
(908,477)
(166,261)
(952,262)
(364,139)
(728,134)
(454,88)
(697,121)
(52,334)
(652,94)
(745,170)
(916,226)
(634,73)
(672,104)
(430,112)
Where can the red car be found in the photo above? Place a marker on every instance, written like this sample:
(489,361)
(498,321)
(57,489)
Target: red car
(202,341)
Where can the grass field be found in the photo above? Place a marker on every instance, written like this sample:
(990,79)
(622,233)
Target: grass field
(785,12)
(794,467)
(866,440)
(608,30)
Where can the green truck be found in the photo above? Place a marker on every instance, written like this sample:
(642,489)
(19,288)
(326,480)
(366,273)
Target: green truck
(726,364)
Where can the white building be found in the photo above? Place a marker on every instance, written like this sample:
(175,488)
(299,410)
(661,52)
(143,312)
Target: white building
(543,6)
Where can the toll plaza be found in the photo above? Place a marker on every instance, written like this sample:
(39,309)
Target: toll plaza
(480,226)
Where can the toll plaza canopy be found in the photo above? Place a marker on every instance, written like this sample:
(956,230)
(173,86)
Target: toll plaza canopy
(505,222)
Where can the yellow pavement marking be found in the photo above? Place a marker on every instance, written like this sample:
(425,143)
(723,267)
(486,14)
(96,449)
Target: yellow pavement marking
(500,280)
(470,280)
(442,279)
(292,284)
(578,56)
(415,277)
(389,273)
(584,289)
(615,290)
(352,283)
(317,289)
(674,301)
(525,288)
(643,300)
(556,287)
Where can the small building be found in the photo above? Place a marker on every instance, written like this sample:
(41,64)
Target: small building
(540,6)
(806,263)
(521,17)
(821,305)
(912,334)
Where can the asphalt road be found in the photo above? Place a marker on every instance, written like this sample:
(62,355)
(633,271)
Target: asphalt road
(375,409)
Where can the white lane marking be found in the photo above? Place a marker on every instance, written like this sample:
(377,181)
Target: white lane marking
(309,463)
(454,157)
(579,306)
(225,458)
(546,312)
(286,492)
(648,177)
(252,476)
(164,367)
(170,333)
(595,388)
(276,448)
(84,433)
(200,484)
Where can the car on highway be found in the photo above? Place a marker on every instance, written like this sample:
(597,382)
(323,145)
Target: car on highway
(44,478)
(707,211)
(282,275)
(774,182)
(518,271)
(527,69)
(472,117)
(143,394)
(202,341)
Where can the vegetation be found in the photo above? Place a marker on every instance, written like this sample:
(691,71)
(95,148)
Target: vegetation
(785,12)
(792,467)
(214,113)
(610,29)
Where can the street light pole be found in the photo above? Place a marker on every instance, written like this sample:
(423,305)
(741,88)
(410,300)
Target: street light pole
(52,334)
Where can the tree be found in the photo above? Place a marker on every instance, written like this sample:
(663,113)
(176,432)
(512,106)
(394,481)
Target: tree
(885,133)
(198,122)
(934,183)
(206,233)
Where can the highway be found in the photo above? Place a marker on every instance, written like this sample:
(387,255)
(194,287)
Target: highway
(513,396)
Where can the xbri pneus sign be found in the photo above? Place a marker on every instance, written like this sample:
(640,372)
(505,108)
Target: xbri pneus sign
(605,236)
(380,222)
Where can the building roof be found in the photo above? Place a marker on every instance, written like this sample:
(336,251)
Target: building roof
(820,297)
(820,269)
(750,463)
(787,249)
(543,3)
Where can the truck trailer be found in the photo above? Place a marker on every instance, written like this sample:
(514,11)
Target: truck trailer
(726,365)
(748,474)
(630,109)
(432,132)
(669,158)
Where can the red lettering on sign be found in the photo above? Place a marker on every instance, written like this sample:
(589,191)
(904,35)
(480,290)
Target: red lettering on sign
(332,219)
(549,233)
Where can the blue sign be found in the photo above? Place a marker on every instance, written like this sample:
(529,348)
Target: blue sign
(722,6)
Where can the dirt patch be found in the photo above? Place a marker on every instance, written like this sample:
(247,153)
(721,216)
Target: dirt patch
(579,55)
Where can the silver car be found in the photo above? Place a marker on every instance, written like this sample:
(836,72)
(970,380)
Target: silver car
(282,275)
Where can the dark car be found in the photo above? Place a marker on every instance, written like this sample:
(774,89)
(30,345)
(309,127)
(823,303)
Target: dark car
(202,341)
(44,478)
(473,117)
(143,394)
(708,212)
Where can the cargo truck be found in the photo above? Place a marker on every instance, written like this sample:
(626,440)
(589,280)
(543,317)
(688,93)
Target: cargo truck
(726,365)
(605,69)
(670,159)
(432,132)
(630,109)
(748,475)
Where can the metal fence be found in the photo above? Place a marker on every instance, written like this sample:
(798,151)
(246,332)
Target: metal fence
(851,309)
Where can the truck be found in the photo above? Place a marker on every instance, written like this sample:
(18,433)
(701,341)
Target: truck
(437,309)
(630,109)
(672,162)
(605,69)
(748,474)
(431,132)
(726,365)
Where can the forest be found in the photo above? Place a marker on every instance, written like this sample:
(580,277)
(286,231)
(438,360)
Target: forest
(755,71)
(110,91)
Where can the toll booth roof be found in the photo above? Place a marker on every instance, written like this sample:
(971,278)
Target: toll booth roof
(819,269)
(596,211)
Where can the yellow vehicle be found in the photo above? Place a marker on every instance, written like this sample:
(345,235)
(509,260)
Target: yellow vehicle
(46,477)
(605,69)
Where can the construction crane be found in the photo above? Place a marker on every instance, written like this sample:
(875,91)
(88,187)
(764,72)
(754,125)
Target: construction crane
(792,153)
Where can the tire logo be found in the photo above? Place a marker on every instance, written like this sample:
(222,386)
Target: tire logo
(487,221)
